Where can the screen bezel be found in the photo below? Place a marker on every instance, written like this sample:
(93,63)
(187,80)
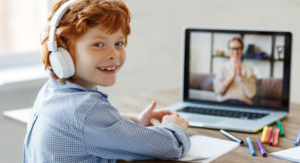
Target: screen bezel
(286,66)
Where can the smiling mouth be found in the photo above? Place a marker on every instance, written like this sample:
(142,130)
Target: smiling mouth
(108,69)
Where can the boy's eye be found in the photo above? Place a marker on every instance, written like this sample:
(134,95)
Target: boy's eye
(119,44)
(99,45)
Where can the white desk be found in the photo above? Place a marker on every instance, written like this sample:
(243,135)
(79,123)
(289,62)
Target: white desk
(19,115)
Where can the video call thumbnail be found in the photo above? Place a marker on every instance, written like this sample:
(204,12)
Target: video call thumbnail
(236,68)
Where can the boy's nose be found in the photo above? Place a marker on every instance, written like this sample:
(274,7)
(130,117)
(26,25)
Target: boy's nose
(113,54)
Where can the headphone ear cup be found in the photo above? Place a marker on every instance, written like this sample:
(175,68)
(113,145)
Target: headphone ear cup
(62,63)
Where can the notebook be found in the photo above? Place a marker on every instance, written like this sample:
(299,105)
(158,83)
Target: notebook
(291,154)
(205,149)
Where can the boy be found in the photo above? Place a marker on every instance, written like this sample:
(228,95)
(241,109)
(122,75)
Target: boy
(71,120)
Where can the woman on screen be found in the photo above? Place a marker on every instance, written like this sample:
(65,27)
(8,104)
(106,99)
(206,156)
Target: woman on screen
(235,82)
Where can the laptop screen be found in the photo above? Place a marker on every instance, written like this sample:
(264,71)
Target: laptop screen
(237,67)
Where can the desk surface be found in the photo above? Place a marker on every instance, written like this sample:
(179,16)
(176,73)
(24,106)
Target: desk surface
(291,126)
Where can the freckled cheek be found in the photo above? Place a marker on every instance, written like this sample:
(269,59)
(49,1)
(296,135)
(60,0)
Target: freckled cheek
(92,57)
(122,59)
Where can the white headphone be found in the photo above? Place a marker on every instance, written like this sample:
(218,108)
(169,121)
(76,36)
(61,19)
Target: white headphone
(60,59)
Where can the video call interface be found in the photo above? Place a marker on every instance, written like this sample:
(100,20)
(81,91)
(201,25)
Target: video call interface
(236,68)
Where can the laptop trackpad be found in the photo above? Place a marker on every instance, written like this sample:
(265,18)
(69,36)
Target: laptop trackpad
(203,120)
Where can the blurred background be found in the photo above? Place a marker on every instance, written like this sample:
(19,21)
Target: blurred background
(154,49)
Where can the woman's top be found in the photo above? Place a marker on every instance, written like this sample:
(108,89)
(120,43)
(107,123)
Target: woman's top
(70,123)
(242,89)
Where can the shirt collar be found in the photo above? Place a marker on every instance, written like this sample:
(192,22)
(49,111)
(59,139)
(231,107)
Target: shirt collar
(71,85)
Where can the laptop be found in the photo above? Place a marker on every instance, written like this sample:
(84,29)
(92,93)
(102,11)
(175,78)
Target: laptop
(235,79)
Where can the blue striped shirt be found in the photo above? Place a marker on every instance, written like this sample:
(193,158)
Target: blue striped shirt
(70,123)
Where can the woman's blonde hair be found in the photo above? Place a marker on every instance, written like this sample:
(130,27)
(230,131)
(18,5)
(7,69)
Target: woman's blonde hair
(236,39)
(81,15)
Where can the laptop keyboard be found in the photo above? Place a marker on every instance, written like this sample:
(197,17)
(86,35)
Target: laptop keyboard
(224,113)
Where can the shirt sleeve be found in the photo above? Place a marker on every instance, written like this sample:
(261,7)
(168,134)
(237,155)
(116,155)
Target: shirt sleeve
(109,135)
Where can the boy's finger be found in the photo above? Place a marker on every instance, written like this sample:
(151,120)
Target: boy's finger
(155,122)
(172,112)
(166,112)
(151,106)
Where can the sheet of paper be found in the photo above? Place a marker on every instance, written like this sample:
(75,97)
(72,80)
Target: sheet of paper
(291,154)
(205,148)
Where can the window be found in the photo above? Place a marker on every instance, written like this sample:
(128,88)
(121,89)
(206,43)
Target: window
(21,23)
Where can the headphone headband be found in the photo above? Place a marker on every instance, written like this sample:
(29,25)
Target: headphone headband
(52,44)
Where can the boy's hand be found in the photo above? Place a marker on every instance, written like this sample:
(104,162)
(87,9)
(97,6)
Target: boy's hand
(148,114)
(171,119)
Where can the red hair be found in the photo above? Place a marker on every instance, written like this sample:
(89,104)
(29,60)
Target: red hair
(81,15)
